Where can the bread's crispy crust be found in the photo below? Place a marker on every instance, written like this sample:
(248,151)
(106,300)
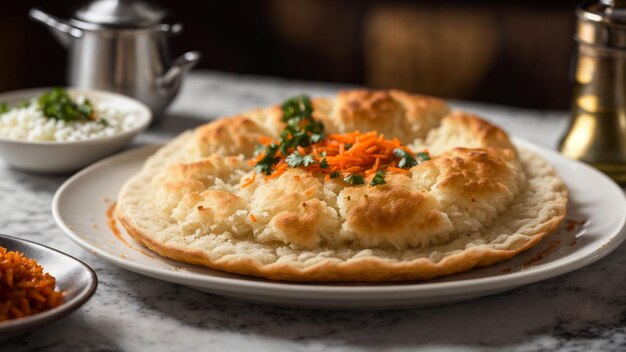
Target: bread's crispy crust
(482,130)
(368,269)
(226,136)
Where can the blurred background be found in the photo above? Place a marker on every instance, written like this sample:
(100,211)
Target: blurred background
(509,52)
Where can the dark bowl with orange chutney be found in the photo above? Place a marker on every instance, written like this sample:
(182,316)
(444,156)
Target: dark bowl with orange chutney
(48,285)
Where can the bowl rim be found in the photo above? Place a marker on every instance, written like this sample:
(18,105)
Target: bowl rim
(67,307)
(145,114)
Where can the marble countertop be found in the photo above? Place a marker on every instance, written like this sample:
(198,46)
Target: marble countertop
(581,311)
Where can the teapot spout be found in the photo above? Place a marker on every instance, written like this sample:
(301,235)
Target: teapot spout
(182,64)
(59,28)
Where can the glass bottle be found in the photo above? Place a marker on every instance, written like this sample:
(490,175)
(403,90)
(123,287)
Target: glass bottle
(597,131)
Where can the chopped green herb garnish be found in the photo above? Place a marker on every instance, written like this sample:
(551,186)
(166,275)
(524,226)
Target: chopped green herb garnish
(318,136)
(4,107)
(296,147)
(354,179)
(307,160)
(379,178)
(269,159)
(57,104)
(406,159)
(258,149)
(296,109)
(421,157)
(296,159)
(301,131)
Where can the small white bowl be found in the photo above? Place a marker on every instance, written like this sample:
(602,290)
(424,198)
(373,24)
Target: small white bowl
(63,157)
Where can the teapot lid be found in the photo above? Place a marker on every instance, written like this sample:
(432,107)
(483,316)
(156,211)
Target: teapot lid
(602,24)
(121,14)
(604,11)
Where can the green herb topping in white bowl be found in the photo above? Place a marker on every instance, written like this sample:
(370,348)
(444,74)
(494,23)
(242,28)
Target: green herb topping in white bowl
(55,116)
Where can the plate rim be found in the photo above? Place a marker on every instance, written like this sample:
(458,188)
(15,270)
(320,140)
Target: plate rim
(51,315)
(512,280)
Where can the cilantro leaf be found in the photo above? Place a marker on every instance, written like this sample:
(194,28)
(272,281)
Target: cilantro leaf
(259,149)
(316,128)
(354,179)
(296,109)
(57,104)
(324,163)
(85,108)
(316,137)
(264,168)
(406,159)
(334,174)
(379,178)
(421,157)
(301,130)
(269,159)
(294,159)
(308,160)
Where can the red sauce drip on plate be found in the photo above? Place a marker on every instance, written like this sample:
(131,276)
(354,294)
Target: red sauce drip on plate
(112,223)
(544,253)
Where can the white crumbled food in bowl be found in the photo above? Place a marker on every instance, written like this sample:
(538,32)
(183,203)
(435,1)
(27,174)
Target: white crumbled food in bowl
(29,124)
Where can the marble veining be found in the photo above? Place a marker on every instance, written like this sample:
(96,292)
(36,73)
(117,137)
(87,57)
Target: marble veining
(581,311)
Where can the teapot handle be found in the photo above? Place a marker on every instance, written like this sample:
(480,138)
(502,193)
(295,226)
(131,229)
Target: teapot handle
(63,31)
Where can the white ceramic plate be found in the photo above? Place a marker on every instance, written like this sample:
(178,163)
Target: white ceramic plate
(80,205)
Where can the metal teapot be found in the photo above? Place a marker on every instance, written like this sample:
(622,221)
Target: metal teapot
(121,46)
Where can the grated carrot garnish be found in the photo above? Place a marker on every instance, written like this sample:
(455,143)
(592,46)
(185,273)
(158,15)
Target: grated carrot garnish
(397,169)
(345,154)
(249,181)
(265,140)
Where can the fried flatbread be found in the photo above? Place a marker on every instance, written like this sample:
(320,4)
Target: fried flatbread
(477,202)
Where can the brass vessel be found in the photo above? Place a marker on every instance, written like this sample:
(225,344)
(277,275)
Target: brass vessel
(597,131)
